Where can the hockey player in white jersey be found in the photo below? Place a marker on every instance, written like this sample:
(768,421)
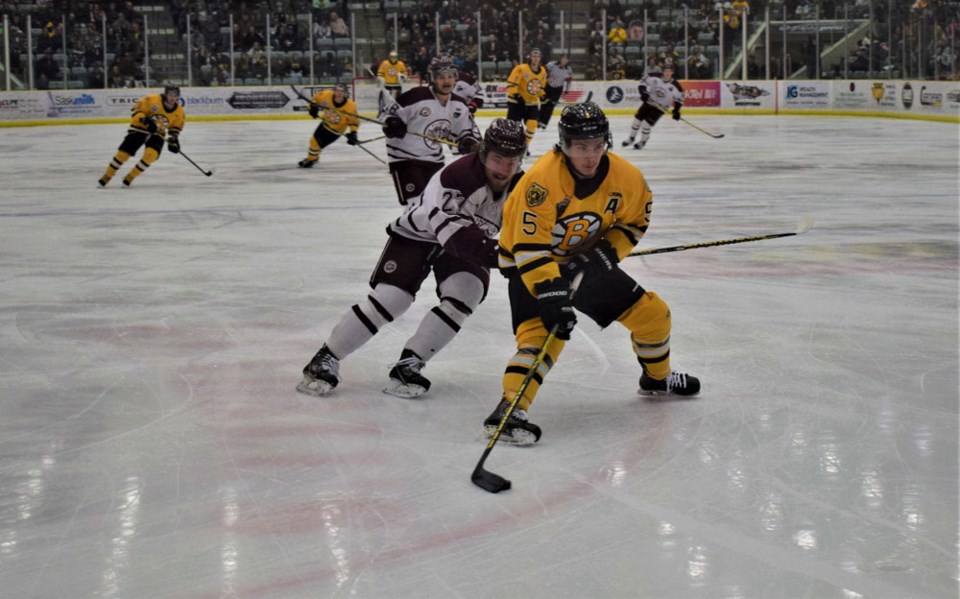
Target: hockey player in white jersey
(433,111)
(470,90)
(659,92)
(449,230)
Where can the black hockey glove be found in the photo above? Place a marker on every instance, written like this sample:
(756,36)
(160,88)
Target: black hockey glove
(596,261)
(173,144)
(676,113)
(467,145)
(644,96)
(472,107)
(352,138)
(518,99)
(394,127)
(556,309)
(314,110)
(150,124)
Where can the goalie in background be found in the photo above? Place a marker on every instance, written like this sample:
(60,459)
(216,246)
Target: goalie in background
(449,230)
(391,74)
(659,92)
(334,123)
(156,118)
(579,209)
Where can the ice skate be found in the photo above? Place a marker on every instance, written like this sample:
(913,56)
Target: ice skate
(626,143)
(517,430)
(307,163)
(104,180)
(405,378)
(677,383)
(639,145)
(321,375)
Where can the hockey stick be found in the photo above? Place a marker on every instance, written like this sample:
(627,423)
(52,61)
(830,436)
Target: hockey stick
(199,168)
(366,141)
(701,130)
(369,119)
(489,481)
(805,225)
(382,161)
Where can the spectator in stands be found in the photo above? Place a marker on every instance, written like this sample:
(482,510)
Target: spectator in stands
(251,38)
(338,26)
(321,30)
(698,65)
(617,37)
(95,77)
(46,69)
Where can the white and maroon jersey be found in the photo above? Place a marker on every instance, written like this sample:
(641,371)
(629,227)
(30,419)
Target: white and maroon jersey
(456,198)
(471,91)
(424,114)
(665,94)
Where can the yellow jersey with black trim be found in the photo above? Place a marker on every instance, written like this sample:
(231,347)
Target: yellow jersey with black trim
(391,72)
(150,107)
(527,83)
(335,121)
(549,217)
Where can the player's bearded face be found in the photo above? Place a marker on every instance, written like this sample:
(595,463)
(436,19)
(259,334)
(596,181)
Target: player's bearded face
(500,169)
(170,100)
(585,154)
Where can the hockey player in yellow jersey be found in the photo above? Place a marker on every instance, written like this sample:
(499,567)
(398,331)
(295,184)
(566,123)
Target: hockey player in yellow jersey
(337,109)
(392,73)
(156,118)
(526,86)
(578,209)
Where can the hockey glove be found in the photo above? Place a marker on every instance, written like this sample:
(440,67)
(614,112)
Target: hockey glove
(394,127)
(676,113)
(518,99)
(173,144)
(556,309)
(314,111)
(472,107)
(596,261)
(352,138)
(150,124)
(644,96)
(467,145)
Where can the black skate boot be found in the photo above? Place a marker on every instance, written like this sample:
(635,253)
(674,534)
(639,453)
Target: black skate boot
(517,430)
(626,143)
(307,163)
(405,378)
(321,375)
(677,383)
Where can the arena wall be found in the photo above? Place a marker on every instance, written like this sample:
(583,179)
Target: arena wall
(926,100)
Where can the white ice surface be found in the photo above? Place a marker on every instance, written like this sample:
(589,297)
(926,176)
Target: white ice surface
(152,443)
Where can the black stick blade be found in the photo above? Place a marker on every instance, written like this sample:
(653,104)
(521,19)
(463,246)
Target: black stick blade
(488,481)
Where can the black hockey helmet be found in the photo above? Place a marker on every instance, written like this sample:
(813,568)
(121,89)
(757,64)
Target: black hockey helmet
(442,65)
(504,137)
(342,87)
(171,88)
(583,121)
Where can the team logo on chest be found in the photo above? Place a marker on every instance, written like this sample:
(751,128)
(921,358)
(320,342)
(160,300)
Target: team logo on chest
(536,195)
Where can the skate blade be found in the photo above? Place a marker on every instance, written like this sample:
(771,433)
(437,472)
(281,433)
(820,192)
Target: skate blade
(316,388)
(511,435)
(398,389)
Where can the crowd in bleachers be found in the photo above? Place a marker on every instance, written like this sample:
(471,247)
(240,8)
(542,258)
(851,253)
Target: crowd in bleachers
(294,25)
(97,43)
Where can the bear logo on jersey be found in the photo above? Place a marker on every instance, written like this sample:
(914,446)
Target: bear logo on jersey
(572,231)
(536,195)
